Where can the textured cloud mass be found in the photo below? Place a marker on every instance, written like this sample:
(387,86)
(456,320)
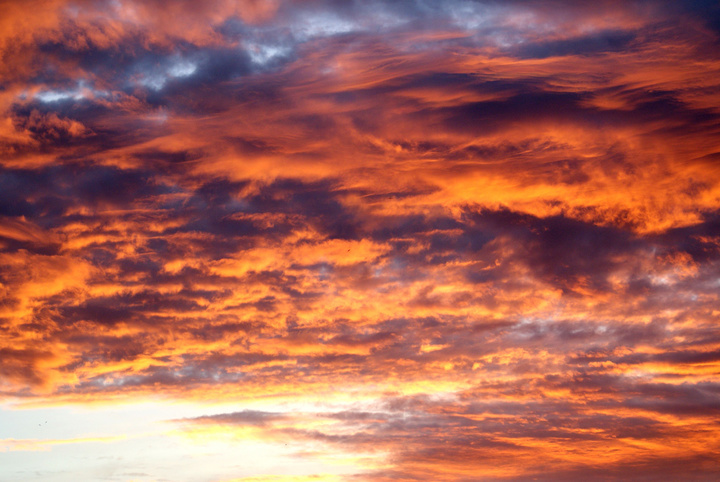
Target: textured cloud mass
(416,240)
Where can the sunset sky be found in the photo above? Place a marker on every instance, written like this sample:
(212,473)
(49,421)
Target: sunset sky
(330,240)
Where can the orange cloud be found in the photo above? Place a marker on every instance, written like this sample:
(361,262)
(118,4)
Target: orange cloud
(441,241)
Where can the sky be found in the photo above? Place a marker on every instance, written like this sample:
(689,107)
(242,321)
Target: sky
(328,240)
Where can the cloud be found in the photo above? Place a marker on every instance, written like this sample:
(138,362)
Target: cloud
(467,434)
(24,445)
(463,238)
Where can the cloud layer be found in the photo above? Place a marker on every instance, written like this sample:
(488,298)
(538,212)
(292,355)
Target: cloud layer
(490,230)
